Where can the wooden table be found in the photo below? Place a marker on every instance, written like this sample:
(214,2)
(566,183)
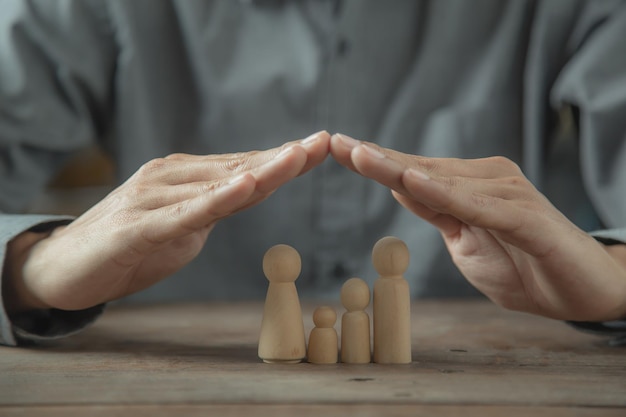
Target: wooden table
(469,358)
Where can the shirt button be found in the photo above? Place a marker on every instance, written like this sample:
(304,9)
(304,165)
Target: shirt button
(343,47)
(340,272)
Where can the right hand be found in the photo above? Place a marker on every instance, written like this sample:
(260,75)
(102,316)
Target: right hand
(149,227)
(505,237)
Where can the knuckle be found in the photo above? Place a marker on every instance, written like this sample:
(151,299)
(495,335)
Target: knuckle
(235,165)
(133,190)
(175,156)
(122,198)
(521,183)
(178,211)
(208,187)
(480,201)
(151,167)
(505,164)
(516,181)
(428,164)
(238,162)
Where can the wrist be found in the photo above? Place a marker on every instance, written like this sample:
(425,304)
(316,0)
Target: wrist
(618,253)
(16,294)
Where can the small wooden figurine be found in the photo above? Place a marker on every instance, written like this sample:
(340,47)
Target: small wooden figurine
(282,337)
(323,338)
(392,302)
(355,323)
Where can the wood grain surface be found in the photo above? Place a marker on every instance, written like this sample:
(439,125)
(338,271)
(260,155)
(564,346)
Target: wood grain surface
(469,358)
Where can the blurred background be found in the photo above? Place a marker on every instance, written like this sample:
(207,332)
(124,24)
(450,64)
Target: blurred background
(85,180)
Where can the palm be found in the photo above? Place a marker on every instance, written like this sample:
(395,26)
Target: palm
(492,265)
(164,261)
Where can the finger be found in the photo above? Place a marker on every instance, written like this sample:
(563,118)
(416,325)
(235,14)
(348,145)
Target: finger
(271,176)
(342,148)
(192,215)
(283,168)
(443,197)
(373,164)
(518,223)
(268,177)
(388,171)
(448,225)
(317,147)
(320,138)
(181,168)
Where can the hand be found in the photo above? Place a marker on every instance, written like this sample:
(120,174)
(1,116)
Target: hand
(149,227)
(504,236)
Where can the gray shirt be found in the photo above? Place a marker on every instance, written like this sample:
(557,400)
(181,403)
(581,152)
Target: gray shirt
(542,83)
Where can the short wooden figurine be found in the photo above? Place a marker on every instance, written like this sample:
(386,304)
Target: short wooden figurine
(282,337)
(323,346)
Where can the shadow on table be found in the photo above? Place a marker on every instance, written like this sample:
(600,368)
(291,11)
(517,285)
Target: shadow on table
(105,342)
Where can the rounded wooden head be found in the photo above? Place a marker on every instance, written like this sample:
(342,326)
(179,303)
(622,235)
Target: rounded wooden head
(390,256)
(282,263)
(324,316)
(355,294)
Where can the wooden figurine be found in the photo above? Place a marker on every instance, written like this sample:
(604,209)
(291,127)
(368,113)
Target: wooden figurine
(355,323)
(392,302)
(323,338)
(282,337)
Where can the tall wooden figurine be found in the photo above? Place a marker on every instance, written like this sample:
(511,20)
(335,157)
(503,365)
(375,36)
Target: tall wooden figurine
(282,330)
(392,302)
(355,323)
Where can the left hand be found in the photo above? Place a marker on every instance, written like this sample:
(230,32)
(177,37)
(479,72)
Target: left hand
(506,238)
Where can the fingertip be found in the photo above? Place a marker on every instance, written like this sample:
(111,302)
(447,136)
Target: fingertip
(291,150)
(314,138)
(297,150)
(316,142)
(324,134)
(344,141)
(416,181)
(341,147)
(416,174)
(220,202)
(370,151)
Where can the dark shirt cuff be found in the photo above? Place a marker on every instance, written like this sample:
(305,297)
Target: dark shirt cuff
(616,330)
(39,325)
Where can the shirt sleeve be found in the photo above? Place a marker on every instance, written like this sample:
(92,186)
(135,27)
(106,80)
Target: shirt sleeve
(40,324)
(593,82)
(57,65)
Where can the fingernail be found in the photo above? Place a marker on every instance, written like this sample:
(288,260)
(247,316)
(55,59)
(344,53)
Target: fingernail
(236,180)
(373,152)
(230,185)
(311,139)
(282,153)
(347,141)
(418,174)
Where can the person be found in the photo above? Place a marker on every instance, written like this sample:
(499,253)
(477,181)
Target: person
(499,123)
